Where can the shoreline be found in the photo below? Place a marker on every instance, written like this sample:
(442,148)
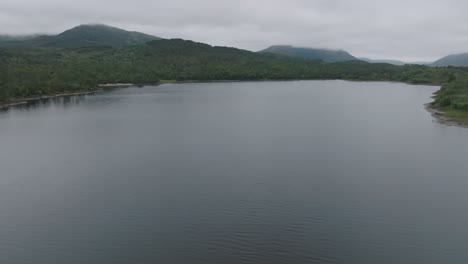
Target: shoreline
(24,101)
(438,114)
(116,85)
(100,87)
(443,118)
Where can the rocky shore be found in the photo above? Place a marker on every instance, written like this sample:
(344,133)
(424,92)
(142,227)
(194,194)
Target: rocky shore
(443,118)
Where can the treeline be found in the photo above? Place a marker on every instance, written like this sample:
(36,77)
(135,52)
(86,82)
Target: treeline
(26,73)
(40,71)
(453,94)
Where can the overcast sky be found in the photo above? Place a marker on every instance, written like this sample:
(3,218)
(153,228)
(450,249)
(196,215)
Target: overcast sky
(411,30)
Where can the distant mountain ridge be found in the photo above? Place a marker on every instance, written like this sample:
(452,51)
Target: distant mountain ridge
(86,36)
(17,37)
(93,35)
(325,55)
(394,62)
(83,57)
(457,60)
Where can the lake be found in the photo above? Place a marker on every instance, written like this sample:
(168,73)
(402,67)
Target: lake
(247,172)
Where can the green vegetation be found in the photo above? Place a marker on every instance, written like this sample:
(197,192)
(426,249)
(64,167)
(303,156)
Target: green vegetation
(36,71)
(453,96)
(462,115)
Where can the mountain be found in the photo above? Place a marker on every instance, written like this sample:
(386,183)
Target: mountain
(35,67)
(394,62)
(459,60)
(310,53)
(4,38)
(85,36)
(29,72)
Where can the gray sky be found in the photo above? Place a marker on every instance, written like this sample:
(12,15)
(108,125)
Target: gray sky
(411,30)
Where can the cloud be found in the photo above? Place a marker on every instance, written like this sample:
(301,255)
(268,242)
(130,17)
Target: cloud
(398,29)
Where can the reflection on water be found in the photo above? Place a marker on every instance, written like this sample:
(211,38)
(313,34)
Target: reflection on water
(64,101)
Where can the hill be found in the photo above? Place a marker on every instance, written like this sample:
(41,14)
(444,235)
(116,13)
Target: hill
(4,38)
(29,72)
(82,58)
(310,53)
(85,36)
(457,60)
(394,62)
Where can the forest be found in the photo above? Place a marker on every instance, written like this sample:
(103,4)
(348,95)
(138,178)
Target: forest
(36,71)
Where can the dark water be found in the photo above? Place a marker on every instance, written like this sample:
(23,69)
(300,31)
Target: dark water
(268,172)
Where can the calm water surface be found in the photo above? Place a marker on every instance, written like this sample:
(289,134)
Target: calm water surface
(261,172)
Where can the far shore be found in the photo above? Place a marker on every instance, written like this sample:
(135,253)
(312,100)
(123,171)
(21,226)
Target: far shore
(23,101)
(116,85)
(100,87)
(440,115)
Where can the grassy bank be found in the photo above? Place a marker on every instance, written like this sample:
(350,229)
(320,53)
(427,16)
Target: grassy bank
(451,101)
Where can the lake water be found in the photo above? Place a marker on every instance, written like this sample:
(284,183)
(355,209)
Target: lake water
(254,172)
